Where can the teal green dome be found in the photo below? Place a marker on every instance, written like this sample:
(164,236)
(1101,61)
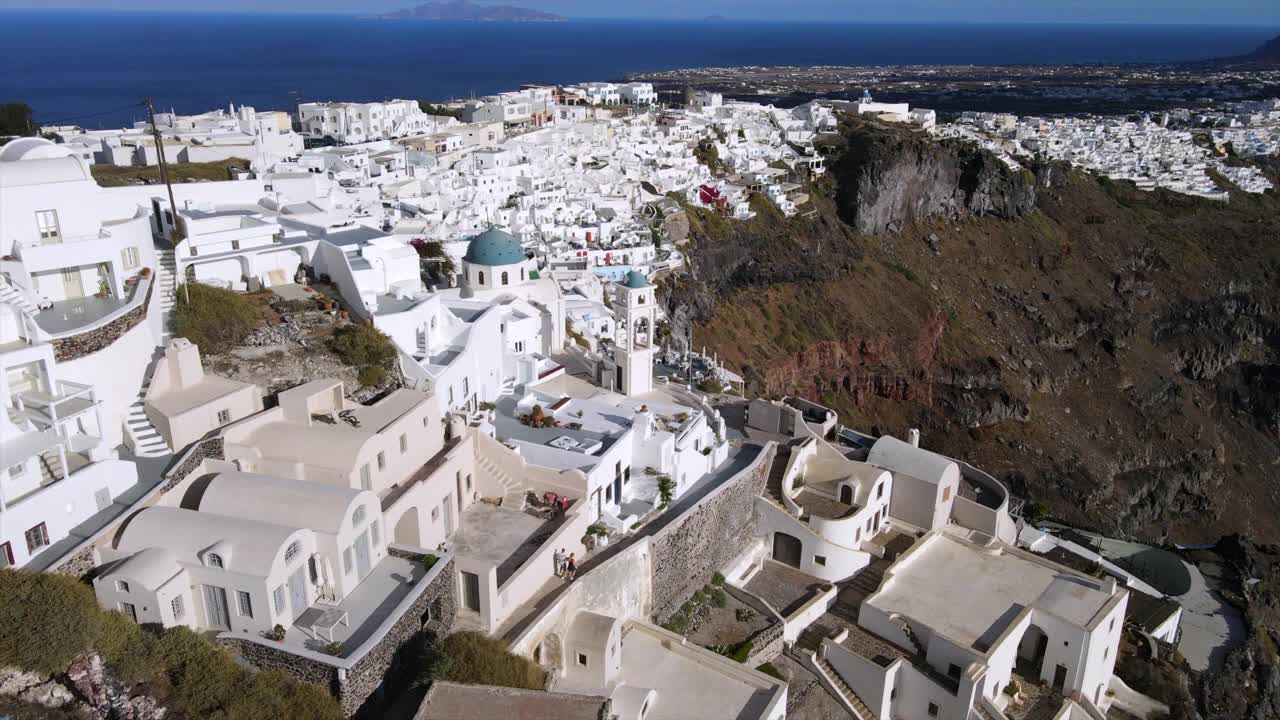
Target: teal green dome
(494,247)
(636,280)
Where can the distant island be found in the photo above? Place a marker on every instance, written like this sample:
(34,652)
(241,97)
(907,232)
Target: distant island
(467,10)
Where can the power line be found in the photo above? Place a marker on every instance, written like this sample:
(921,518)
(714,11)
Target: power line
(59,121)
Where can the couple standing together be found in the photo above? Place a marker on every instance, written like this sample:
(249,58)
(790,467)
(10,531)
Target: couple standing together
(566,565)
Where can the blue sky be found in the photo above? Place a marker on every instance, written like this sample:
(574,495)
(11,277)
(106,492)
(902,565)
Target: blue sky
(1229,12)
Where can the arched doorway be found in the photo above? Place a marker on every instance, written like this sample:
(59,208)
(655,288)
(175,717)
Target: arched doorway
(550,653)
(1031,652)
(406,532)
(846,494)
(787,549)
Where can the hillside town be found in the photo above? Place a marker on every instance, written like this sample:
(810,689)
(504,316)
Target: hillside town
(1149,152)
(495,430)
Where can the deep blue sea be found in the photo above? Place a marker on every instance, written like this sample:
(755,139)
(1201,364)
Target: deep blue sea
(88,67)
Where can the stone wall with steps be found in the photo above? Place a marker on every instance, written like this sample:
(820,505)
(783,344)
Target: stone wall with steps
(707,537)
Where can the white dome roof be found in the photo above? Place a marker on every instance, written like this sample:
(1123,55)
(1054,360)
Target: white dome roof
(36,161)
(32,148)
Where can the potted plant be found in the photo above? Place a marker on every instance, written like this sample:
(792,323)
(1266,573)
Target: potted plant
(145,272)
(276,633)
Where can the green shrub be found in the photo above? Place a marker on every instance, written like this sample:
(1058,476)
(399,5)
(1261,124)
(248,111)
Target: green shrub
(372,376)
(476,659)
(1035,512)
(770,670)
(678,624)
(737,652)
(204,677)
(428,560)
(215,319)
(45,620)
(719,597)
(274,694)
(334,648)
(127,649)
(361,345)
(666,489)
(699,598)
(744,614)
(711,385)
(717,580)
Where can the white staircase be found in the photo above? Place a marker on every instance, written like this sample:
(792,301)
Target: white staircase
(13,295)
(51,469)
(514,495)
(508,387)
(140,433)
(167,286)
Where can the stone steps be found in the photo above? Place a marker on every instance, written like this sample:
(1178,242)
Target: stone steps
(860,709)
(140,433)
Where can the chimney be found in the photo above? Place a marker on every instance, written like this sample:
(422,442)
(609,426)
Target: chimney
(913,437)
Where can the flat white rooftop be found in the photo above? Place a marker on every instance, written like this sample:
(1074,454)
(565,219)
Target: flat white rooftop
(970,594)
(688,684)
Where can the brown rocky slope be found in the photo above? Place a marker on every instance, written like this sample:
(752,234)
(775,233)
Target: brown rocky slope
(1111,353)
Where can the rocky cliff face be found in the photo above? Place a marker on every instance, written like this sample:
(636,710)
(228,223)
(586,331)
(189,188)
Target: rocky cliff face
(890,177)
(86,690)
(1111,353)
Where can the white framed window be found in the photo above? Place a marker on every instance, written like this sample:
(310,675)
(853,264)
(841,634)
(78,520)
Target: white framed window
(404,443)
(357,516)
(48,227)
(130,610)
(6,555)
(224,417)
(244,601)
(366,480)
(374,535)
(435,514)
(519,346)
(122,586)
(382,461)
(292,551)
(466,387)
(346,560)
(16,470)
(176,606)
(213,560)
(129,258)
(277,599)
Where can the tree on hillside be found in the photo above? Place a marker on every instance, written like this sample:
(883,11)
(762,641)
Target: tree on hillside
(17,119)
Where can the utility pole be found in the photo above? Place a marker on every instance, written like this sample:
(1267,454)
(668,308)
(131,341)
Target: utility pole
(164,164)
(164,177)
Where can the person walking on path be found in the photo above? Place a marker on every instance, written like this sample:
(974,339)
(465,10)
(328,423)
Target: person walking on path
(571,567)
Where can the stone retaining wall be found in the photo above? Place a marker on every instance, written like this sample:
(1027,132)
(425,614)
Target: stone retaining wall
(766,646)
(207,449)
(87,343)
(707,536)
(270,655)
(363,686)
(394,660)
